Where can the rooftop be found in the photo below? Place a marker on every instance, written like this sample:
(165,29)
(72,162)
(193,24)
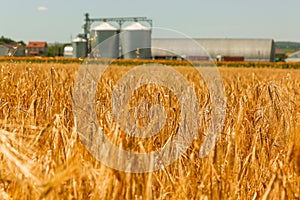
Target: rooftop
(37,45)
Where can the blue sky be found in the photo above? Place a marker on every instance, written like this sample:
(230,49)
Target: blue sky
(59,20)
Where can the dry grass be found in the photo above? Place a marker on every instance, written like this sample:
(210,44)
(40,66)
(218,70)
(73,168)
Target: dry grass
(257,156)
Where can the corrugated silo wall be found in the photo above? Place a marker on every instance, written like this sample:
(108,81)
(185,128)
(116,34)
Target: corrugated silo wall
(109,41)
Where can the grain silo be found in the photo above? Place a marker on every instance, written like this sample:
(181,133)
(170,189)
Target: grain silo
(79,45)
(68,51)
(106,35)
(136,41)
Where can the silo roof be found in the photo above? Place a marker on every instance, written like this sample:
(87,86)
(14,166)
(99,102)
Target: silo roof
(104,26)
(79,39)
(136,26)
(68,48)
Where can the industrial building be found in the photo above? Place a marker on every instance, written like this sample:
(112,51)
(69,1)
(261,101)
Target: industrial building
(4,50)
(125,40)
(129,39)
(12,50)
(217,49)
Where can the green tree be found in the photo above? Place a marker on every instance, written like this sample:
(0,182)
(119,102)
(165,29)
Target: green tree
(56,49)
(5,40)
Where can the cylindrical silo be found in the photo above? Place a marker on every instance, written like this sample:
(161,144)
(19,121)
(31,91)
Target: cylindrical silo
(68,51)
(79,47)
(134,38)
(106,35)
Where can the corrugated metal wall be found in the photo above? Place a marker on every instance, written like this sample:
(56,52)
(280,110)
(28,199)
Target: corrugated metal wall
(250,49)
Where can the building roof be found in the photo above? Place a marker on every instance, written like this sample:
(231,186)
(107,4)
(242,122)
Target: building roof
(12,46)
(37,45)
(104,27)
(135,26)
(79,39)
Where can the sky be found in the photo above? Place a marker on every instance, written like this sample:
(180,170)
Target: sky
(62,20)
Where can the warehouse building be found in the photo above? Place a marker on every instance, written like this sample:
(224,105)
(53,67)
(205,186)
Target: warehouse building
(12,50)
(216,49)
(4,50)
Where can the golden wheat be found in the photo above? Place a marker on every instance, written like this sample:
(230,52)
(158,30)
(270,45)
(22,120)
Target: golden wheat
(42,157)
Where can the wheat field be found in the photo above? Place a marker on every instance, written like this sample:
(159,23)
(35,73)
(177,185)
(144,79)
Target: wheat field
(42,156)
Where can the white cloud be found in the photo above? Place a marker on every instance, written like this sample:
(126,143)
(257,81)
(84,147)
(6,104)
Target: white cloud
(42,8)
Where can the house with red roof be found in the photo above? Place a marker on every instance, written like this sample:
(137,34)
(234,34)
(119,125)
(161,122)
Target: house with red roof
(37,49)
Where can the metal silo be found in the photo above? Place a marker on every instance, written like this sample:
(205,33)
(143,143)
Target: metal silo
(68,51)
(106,34)
(134,38)
(79,45)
